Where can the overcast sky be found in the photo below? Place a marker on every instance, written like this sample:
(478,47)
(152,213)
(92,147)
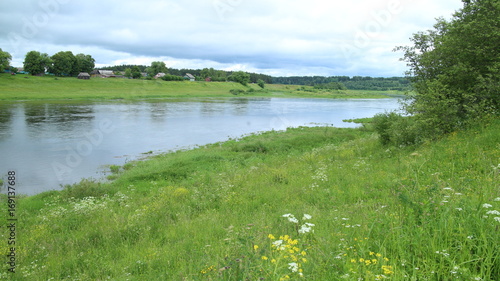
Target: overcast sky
(275,37)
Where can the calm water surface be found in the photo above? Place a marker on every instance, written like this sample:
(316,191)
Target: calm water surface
(50,144)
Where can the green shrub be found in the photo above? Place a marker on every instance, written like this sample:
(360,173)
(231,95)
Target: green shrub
(236,91)
(85,188)
(396,129)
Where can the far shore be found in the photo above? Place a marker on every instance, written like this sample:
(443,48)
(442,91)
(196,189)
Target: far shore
(26,87)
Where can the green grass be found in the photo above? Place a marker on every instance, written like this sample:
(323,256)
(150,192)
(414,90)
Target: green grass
(26,87)
(216,213)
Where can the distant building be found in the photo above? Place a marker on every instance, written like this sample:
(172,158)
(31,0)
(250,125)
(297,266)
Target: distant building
(103,73)
(84,75)
(189,77)
(159,75)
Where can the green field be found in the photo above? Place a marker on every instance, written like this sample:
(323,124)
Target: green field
(361,211)
(26,87)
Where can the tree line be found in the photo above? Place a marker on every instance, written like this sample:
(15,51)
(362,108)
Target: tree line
(67,64)
(63,63)
(200,74)
(346,82)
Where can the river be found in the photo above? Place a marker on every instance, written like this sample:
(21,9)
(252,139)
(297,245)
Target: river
(50,144)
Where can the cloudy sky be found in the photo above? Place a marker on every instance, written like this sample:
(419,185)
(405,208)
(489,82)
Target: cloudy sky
(275,37)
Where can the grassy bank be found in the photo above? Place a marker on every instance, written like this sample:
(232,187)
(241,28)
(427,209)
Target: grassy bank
(25,87)
(353,209)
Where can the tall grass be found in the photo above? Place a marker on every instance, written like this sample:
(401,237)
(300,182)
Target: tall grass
(314,203)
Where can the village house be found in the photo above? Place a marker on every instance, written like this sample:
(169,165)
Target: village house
(84,75)
(189,77)
(159,75)
(103,73)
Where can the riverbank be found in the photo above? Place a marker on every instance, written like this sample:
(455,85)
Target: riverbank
(26,87)
(322,202)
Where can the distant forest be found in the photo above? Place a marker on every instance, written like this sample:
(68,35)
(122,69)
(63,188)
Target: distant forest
(354,83)
(343,82)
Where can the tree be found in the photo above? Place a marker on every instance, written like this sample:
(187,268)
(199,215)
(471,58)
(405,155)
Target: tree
(455,68)
(241,77)
(36,62)
(261,83)
(136,72)
(84,63)
(4,60)
(157,67)
(63,63)
(128,73)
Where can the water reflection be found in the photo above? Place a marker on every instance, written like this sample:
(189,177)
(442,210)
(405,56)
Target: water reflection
(45,119)
(6,113)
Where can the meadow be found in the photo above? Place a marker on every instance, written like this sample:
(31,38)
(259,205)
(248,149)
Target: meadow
(308,203)
(26,87)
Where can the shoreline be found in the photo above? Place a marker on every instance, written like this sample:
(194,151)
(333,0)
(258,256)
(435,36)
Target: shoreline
(33,88)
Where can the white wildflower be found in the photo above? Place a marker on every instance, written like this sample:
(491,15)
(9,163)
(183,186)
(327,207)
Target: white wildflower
(306,217)
(458,209)
(486,205)
(494,212)
(497,219)
(279,245)
(447,188)
(291,218)
(496,199)
(293,266)
(305,228)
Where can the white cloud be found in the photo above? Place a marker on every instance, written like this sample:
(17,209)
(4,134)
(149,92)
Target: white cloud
(279,37)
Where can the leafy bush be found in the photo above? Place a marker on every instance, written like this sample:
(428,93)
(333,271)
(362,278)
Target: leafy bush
(169,77)
(85,188)
(236,91)
(397,130)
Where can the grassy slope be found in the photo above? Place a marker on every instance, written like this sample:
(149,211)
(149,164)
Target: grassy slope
(24,87)
(207,214)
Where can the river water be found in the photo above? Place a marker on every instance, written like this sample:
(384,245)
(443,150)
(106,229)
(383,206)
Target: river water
(50,144)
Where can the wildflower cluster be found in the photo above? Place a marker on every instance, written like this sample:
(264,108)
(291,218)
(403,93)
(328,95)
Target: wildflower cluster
(287,255)
(306,227)
(362,262)
(495,213)
(208,269)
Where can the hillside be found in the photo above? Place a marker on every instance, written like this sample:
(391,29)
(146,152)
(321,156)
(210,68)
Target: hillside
(322,202)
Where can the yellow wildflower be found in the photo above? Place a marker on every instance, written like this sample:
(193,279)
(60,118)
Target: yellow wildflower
(265,258)
(270,236)
(255,247)
(387,269)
